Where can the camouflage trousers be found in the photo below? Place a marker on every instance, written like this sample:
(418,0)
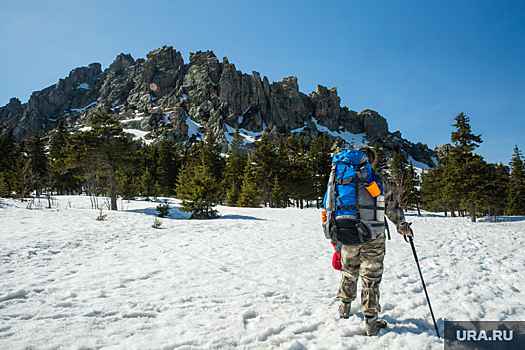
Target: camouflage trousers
(365,261)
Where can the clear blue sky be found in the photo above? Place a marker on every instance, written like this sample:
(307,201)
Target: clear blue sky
(418,63)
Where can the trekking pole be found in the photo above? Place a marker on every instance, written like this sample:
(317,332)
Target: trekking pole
(424,287)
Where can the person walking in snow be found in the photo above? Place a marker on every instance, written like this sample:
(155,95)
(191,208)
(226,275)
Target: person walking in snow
(364,260)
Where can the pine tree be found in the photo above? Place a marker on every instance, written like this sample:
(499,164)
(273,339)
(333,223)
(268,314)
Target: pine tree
(495,189)
(432,190)
(9,154)
(320,158)
(381,164)
(62,176)
(516,186)
(279,197)
(168,166)
(466,169)
(38,160)
(412,196)
(250,195)
(264,165)
(398,175)
(298,182)
(198,190)
(100,151)
(212,158)
(234,169)
(146,184)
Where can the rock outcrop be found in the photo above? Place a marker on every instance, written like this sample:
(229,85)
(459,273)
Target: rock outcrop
(162,94)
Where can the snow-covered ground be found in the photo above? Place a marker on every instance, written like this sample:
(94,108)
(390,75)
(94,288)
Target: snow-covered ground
(253,279)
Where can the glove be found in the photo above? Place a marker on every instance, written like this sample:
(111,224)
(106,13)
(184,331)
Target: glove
(405,229)
(336,261)
(336,258)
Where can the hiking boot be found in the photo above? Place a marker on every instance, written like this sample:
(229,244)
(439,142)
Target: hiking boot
(373,325)
(344,309)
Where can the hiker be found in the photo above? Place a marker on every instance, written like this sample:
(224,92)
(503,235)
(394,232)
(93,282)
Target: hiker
(360,259)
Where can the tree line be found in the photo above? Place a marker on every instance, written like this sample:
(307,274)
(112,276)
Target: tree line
(106,161)
(463,182)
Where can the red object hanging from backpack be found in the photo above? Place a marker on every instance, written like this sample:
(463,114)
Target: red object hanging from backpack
(336,261)
(336,258)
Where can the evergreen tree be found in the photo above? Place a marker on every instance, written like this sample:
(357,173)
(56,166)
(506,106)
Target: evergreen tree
(250,195)
(9,154)
(412,196)
(381,164)
(38,160)
(234,169)
(146,184)
(495,189)
(279,197)
(298,182)
(466,169)
(128,184)
(398,175)
(100,151)
(264,166)
(212,158)
(25,177)
(4,190)
(199,191)
(516,186)
(168,166)
(432,194)
(320,158)
(149,159)
(62,176)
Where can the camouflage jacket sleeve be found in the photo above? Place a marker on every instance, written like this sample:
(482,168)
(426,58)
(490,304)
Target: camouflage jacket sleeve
(393,209)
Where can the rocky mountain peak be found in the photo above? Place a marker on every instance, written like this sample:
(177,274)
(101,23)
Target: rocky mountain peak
(168,98)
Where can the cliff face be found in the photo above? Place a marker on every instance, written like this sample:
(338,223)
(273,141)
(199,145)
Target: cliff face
(164,96)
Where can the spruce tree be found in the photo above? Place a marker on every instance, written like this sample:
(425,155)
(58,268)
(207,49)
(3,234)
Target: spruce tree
(237,158)
(199,191)
(466,169)
(398,175)
(264,165)
(38,160)
(412,195)
(9,154)
(516,185)
(320,158)
(381,164)
(168,166)
(298,181)
(213,158)
(146,184)
(100,151)
(250,194)
(279,197)
(63,178)
(495,189)
(197,184)
(431,189)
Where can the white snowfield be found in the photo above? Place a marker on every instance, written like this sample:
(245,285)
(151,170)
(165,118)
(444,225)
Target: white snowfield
(253,279)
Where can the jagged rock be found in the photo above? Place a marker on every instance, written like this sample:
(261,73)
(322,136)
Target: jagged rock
(180,128)
(374,125)
(213,94)
(443,151)
(46,107)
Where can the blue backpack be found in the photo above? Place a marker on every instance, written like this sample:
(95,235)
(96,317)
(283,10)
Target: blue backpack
(354,200)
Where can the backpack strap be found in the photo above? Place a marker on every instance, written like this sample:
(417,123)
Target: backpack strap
(357,180)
